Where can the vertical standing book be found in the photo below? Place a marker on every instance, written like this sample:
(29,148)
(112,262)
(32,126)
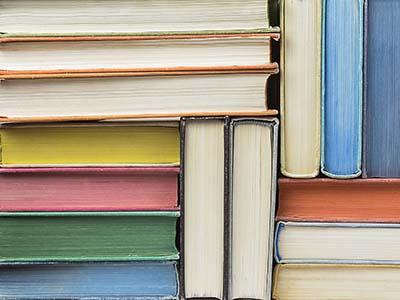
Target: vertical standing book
(382,89)
(300,87)
(342,88)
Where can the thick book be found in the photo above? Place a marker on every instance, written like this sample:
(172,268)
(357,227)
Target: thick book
(336,282)
(75,17)
(382,90)
(355,243)
(334,200)
(87,236)
(90,144)
(144,92)
(110,53)
(300,87)
(89,189)
(102,280)
(342,63)
(204,202)
(252,176)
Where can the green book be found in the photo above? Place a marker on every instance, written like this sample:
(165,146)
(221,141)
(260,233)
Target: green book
(92,236)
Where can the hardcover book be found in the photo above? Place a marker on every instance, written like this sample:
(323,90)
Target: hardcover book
(75,17)
(300,87)
(355,243)
(336,282)
(330,200)
(89,189)
(112,53)
(342,88)
(253,168)
(382,91)
(87,236)
(136,93)
(90,144)
(102,280)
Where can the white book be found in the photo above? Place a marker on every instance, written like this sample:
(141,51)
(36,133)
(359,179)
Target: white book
(300,87)
(336,282)
(98,53)
(253,150)
(72,17)
(124,96)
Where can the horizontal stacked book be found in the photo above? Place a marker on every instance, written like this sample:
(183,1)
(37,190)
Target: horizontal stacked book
(138,149)
(337,237)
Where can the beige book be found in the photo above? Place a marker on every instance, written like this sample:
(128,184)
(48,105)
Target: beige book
(336,282)
(300,87)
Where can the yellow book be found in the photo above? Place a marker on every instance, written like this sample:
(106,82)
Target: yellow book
(119,144)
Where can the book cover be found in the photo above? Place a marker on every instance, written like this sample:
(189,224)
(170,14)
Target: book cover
(381,89)
(89,189)
(330,200)
(300,93)
(101,280)
(342,61)
(90,144)
(87,236)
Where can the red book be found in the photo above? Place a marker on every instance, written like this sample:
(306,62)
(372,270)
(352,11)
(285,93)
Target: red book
(330,200)
(89,189)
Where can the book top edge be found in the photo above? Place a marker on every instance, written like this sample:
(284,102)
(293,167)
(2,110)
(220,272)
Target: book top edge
(172,214)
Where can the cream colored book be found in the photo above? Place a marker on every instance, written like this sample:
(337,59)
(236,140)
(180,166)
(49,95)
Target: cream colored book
(336,282)
(300,87)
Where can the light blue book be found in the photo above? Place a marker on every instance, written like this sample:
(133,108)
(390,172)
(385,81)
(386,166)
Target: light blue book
(342,88)
(137,280)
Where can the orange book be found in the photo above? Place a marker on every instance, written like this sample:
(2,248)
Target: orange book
(329,200)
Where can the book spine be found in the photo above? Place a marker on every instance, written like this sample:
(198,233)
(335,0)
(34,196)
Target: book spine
(342,88)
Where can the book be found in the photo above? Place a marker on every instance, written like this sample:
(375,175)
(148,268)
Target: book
(90,144)
(342,65)
(89,189)
(101,280)
(135,93)
(336,282)
(330,200)
(358,243)
(253,168)
(204,203)
(87,236)
(381,108)
(74,17)
(111,53)
(300,87)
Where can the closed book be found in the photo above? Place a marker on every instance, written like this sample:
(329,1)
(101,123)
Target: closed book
(333,200)
(342,61)
(123,52)
(300,87)
(74,17)
(102,280)
(340,243)
(134,93)
(382,91)
(252,177)
(90,144)
(89,189)
(87,236)
(336,282)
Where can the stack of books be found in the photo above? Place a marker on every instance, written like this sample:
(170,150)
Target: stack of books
(337,235)
(138,150)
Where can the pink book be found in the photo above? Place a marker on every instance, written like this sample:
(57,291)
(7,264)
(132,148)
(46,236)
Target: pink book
(89,189)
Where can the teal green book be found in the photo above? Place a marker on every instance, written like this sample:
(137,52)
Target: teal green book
(91,236)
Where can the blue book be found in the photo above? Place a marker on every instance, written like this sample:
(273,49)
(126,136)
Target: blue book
(342,88)
(138,280)
(382,89)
